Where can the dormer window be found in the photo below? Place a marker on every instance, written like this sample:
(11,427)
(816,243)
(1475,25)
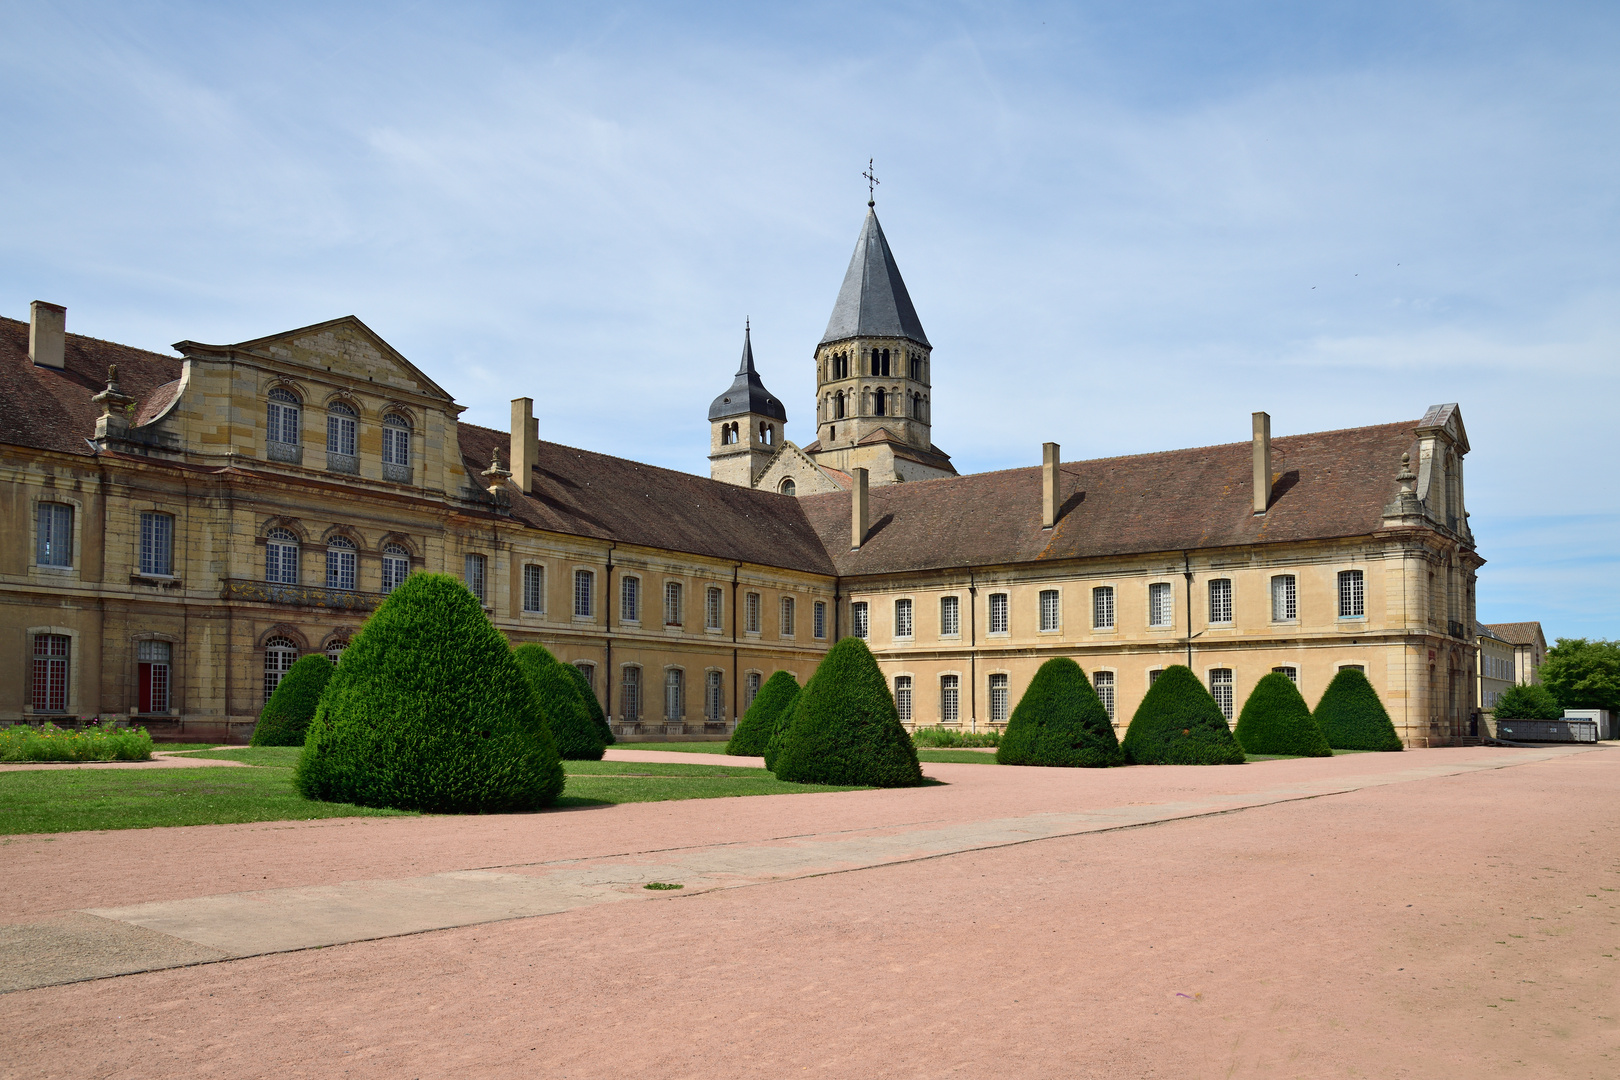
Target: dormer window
(396,448)
(283,422)
(342,426)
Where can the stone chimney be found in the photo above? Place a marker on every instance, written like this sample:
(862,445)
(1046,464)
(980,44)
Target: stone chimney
(47,334)
(525,451)
(858,511)
(1050,496)
(1262,462)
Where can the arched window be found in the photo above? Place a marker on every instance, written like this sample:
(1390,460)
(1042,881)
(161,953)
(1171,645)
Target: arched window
(396,566)
(788,486)
(396,448)
(725,434)
(838,405)
(880,402)
(342,424)
(281,557)
(340,563)
(279,654)
(334,649)
(283,422)
(885,364)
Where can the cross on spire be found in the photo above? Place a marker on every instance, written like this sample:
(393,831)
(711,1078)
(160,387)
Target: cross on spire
(871,179)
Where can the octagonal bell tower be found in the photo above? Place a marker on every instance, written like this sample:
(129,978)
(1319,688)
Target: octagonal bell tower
(747,424)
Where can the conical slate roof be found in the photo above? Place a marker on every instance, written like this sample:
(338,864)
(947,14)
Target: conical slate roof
(873,301)
(747,393)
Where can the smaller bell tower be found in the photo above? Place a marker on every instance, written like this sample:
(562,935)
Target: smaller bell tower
(747,424)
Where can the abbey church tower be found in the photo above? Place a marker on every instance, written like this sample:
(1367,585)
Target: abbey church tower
(746,425)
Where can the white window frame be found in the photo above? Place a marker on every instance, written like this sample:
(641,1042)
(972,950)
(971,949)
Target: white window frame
(751,613)
(475,572)
(998,695)
(630,599)
(342,564)
(396,441)
(587,669)
(534,588)
(674,694)
(630,702)
(950,616)
(1105,682)
(1051,609)
(1290,670)
(283,416)
(1284,598)
(157,544)
(584,593)
(714,695)
(998,620)
(1222,683)
(1220,601)
(159,663)
(950,697)
(280,653)
(752,681)
(287,546)
(57,668)
(1102,607)
(860,619)
(342,429)
(714,608)
(902,697)
(1352,593)
(818,623)
(674,604)
(903,610)
(789,615)
(54,538)
(1165,607)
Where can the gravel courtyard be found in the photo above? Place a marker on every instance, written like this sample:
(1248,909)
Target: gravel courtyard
(1434,913)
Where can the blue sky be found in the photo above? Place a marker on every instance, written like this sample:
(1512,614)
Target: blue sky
(1125,226)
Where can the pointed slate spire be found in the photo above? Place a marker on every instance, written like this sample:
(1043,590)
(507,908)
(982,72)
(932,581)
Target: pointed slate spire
(873,301)
(747,393)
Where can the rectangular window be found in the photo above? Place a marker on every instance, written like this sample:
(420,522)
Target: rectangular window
(152,676)
(950,698)
(950,616)
(672,603)
(629,599)
(1102,607)
(1351,595)
(713,608)
(674,694)
(1049,609)
(534,587)
(1220,688)
(1352,667)
(998,613)
(630,695)
(340,430)
(584,586)
(902,697)
(1161,604)
(751,613)
(714,698)
(1103,683)
(902,618)
(51,672)
(54,542)
(819,614)
(998,699)
(787,616)
(474,575)
(281,419)
(1153,676)
(589,671)
(396,566)
(1284,606)
(857,619)
(750,689)
(1220,600)
(157,545)
(1288,670)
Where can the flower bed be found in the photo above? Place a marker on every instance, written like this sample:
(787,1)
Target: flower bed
(97,742)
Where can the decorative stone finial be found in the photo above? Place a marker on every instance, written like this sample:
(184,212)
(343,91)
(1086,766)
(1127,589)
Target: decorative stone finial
(1406,476)
(495,476)
(1405,507)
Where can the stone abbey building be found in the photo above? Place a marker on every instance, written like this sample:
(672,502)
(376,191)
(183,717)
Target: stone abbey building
(177,529)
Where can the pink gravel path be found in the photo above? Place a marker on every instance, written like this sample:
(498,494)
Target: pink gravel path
(1458,926)
(159,760)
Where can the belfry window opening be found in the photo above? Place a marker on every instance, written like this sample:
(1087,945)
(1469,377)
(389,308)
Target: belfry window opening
(880,402)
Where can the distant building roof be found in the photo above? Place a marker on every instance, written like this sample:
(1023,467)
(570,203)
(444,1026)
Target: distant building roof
(747,393)
(1518,633)
(873,301)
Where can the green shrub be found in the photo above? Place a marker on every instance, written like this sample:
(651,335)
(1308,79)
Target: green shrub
(1276,720)
(1178,723)
(592,706)
(101,741)
(1351,716)
(779,730)
(758,724)
(429,711)
(950,738)
(572,729)
(286,716)
(1582,674)
(1524,702)
(844,728)
(1060,720)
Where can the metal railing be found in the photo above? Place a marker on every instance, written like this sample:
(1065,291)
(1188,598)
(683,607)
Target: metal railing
(291,453)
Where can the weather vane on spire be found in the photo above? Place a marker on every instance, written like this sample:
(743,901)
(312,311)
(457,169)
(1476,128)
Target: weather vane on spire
(871,179)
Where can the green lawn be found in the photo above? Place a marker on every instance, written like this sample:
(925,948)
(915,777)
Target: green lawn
(678,747)
(71,800)
(971,757)
(960,757)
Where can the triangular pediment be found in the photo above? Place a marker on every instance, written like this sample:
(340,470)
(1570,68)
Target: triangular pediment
(344,343)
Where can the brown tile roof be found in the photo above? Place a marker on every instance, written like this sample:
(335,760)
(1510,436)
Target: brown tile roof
(51,409)
(582,493)
(1518,633)
(1329,484)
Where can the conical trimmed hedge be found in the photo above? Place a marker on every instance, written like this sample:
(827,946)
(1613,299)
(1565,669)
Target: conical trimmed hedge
(758,724)
(429,711)
(844,727)
(1178,723)
(576,736)
(1276,720)
(779,730)
(1351,716)
(1060,720)
(592,706)
(286,716)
